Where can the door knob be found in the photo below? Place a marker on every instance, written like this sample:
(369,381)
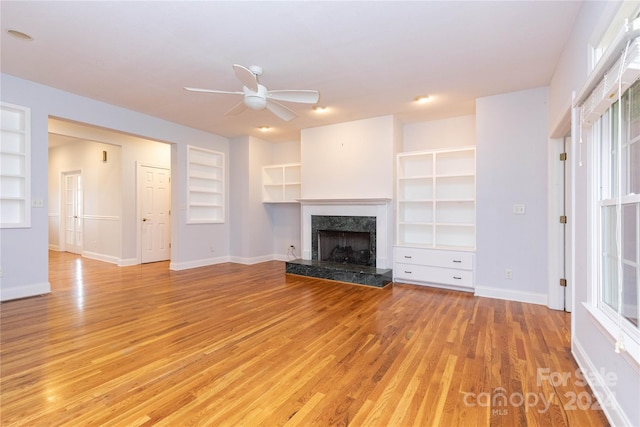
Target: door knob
(144,219)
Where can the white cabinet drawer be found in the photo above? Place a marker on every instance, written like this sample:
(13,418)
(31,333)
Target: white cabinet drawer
(434,257)
(428,274)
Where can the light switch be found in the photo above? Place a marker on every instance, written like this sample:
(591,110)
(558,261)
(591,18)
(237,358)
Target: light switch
(518,209)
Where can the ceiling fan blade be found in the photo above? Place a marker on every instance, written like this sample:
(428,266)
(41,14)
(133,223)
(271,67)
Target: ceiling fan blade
(247,77)
(237,109)
(302,96)
(196,89)
(281,111)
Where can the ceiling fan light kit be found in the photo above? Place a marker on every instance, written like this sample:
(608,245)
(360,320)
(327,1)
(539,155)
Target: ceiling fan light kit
(258,97)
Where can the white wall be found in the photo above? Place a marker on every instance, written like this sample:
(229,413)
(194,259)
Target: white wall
(511,165)
(614,378)
(445,133)
(252,237)
(352,160)
(260,231)
(24,252)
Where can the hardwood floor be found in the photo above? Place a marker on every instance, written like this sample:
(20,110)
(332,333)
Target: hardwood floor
(246,345)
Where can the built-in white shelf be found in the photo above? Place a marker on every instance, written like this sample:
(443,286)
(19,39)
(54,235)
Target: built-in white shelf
(281,183)
(205,186)
(435,218)
(15,164)
(436,199)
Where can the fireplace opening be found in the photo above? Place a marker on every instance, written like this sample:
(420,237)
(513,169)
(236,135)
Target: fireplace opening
(351,239)
(346,247)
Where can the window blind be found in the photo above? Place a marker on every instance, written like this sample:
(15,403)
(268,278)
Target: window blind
(621,61)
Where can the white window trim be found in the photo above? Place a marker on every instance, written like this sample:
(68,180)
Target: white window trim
(596,97)
(604,316)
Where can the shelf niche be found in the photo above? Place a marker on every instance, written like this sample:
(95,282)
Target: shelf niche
(205,186)
(281,183)
(15,163)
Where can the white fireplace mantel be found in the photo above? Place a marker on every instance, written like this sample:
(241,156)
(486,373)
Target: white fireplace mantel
(367,201)
(380,208)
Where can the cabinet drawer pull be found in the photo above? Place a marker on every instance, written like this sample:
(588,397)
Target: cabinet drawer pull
(457,278)
(407,272)
(457,260)
(408,256)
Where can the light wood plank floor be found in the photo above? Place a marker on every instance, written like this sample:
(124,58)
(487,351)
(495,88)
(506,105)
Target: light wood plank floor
(247,345)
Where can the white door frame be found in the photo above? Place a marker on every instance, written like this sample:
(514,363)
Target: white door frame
(560,236)
(139,166)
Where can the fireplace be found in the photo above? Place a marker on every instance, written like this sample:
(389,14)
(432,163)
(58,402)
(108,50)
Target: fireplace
(346,247)
(360,227)
(344,239)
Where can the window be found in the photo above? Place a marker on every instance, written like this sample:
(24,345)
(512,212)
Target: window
(617,138)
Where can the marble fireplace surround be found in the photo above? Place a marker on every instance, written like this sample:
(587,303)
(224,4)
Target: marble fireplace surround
(381,209)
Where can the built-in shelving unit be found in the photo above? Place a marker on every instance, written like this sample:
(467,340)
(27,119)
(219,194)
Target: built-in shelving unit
(205,186)
(281,183)
(15,163)
(435,226)
(436,199)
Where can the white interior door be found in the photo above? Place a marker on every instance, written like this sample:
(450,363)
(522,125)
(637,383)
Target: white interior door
(73,213)
(155,202)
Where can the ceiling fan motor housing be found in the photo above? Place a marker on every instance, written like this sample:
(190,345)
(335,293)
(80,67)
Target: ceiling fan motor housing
(255,100)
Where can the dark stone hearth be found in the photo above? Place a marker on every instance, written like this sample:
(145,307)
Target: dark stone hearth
(351,273)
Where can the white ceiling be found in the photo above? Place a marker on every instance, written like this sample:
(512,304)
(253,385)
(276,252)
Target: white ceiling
(367,59)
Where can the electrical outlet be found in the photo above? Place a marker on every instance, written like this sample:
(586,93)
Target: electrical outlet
(508,274)
(212,248)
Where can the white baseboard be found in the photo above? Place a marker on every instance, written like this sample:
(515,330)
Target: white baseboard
(24,291)
(433,285)
(54,247)
(606,397)
(177,266)
(101,257)
(511,295)
(253,260)
(127,262)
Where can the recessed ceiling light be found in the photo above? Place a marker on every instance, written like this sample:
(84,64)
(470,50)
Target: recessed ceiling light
(20,35)
(264,128)
(320,108)
(422,99)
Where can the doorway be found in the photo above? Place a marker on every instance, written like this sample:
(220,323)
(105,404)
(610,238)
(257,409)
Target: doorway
(108,223)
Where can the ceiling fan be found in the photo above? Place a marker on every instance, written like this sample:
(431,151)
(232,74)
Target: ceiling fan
(258,97)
